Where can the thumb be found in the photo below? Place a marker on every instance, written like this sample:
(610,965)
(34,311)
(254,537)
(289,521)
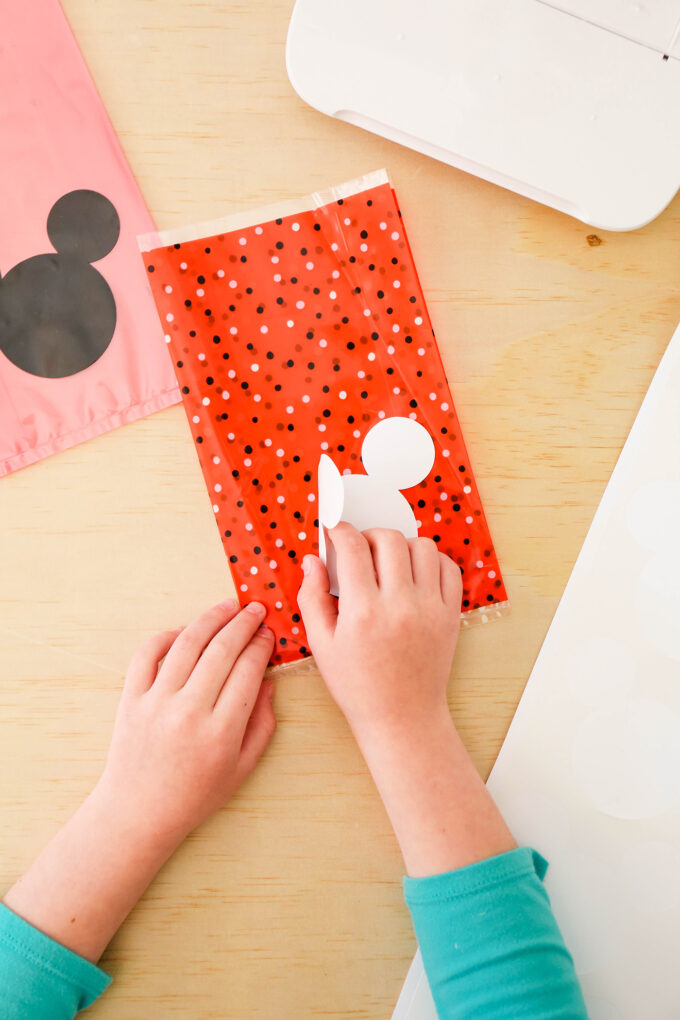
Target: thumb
(318,607)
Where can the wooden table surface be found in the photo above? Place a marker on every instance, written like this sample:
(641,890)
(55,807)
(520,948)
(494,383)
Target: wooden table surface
(288,903)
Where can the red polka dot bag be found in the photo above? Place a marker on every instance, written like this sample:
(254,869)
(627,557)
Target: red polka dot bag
(293,332)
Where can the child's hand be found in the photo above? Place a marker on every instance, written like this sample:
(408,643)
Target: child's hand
(385,649)
(385,652)
(187,734)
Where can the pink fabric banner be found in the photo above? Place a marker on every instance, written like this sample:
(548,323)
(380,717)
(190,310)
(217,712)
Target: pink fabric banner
(81,349)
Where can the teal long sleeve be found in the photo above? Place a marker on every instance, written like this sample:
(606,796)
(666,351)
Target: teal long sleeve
(490,943)
(41,979)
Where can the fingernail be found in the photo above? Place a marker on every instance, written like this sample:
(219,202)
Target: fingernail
(307,564)
(228,604)
(265,631)
(255,607)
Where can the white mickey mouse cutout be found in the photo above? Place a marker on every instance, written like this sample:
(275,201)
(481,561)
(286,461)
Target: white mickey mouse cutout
(397,453)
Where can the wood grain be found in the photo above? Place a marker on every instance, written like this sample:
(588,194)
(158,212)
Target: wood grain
(288,904)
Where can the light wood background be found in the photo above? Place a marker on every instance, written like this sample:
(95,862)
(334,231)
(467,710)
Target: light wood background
(288,903)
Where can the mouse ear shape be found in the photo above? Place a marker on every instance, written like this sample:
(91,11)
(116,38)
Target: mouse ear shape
(398,452)
(331,499)
(85,224)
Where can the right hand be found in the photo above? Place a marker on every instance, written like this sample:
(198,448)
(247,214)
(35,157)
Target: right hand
(385,648)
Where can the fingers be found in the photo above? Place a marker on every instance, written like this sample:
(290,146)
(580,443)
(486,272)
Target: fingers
(189,646)
(354,562)
(143,667)
(237,696)
(318,607)
(259,730)
(391,559)
(425,564)
(451,581)
(219,658)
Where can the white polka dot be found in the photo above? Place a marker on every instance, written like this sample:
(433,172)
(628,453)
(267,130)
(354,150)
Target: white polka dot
(347,471)
(281,499)
(247,462)
(257,398)
(356,433)
(302,535)
(413,415)
(182,265)
(249,526)
(232,284)
(168,289)
(324,446)
(258,230)
(323,343)
(290,409)
(225,394)
(394,235)
(233,330)
(390,349)
(395,328)
(273,564)
(334,246)
(371,356)
(437,517)
(396,390)
(309,265)
(479,564)
(363,247)
(306,399)
(311,497)
(264,329)
(295,630)
(381,414)
(322,427)
(218,487)
(169,317)
(220,273)
(299,304)
(361,374)
(242,240)
(383,226)
(347,221)
(231,373)
(295,226)
(433,396)
(335,274)
(216,508)
(421,351)
(231,437)
(278,543)
(254,367)
(275,259)
(491,574)
(167,338)
(244,587)
(442,495)
(332,294)
(290,324)
(267,442)
(216,460)
(195,419)
(396,283)
(444,407)
(418,320)
(446,453)
(201,357)
(205,401)
(468,520)
(277,277)
(367,311)
(279,452)
(466,488)
(342,395)
(279,605)
(200,292)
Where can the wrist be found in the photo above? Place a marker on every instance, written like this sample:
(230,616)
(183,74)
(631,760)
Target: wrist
(129,819)
(405,735)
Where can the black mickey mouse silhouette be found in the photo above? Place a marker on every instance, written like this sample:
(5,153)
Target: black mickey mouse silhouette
(57,312)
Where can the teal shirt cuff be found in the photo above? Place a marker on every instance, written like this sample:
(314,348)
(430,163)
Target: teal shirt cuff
(41,979)
(490,943)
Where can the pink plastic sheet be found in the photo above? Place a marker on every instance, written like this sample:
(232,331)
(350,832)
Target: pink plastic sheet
(81,350)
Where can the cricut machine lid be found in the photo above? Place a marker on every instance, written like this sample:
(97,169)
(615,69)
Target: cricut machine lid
(574,103)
